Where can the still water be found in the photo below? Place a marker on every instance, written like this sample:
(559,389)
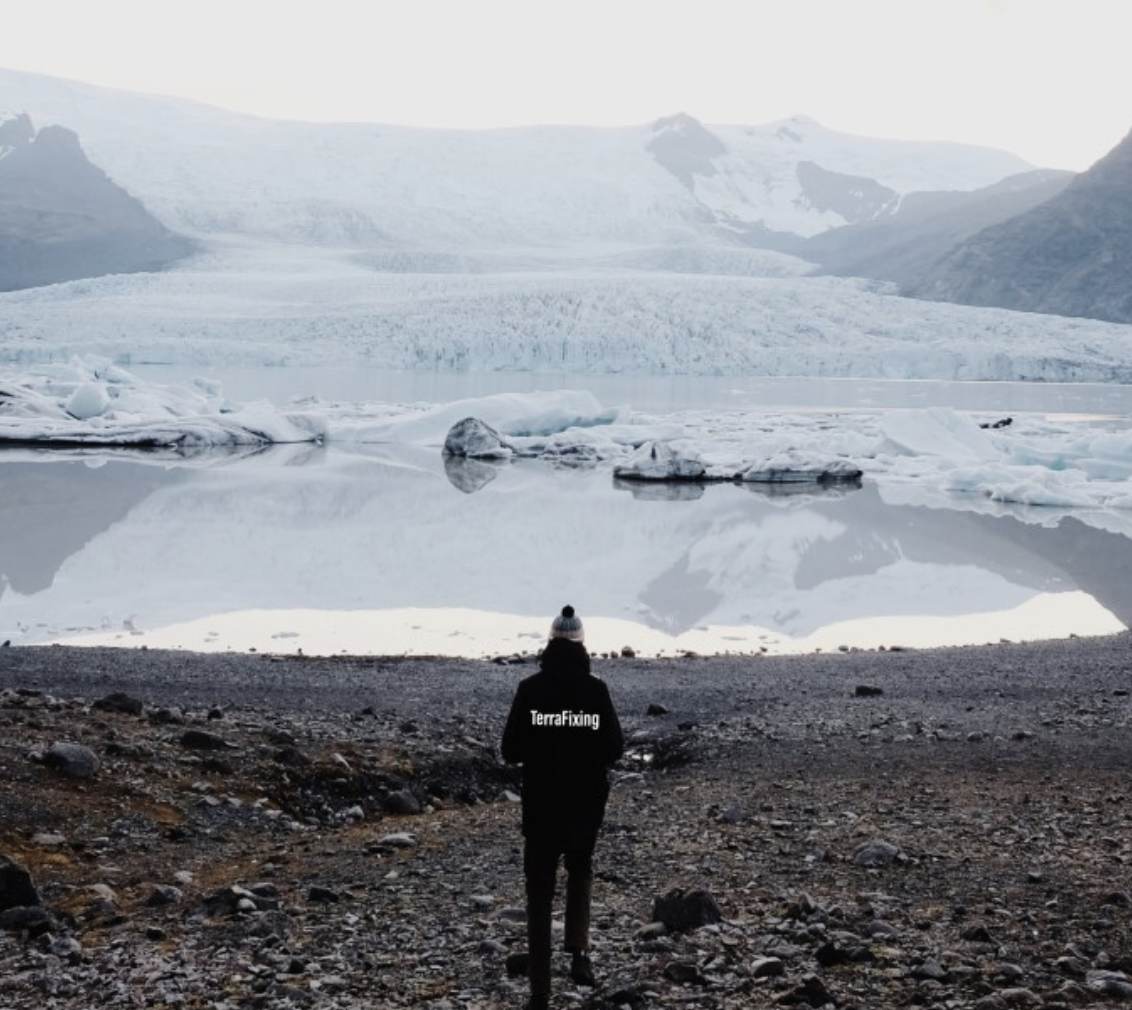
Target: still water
(659,394)
(387,550)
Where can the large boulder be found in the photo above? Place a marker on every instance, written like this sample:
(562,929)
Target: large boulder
(475,439)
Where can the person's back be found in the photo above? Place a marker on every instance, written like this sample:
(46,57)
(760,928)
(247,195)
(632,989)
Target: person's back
(565,733)
(564,730)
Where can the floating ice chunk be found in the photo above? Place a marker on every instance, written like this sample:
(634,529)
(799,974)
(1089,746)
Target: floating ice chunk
(938,432)
(661,461)
(792,466)
(87,401)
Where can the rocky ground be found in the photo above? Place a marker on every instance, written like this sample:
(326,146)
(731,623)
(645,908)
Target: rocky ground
(949,828)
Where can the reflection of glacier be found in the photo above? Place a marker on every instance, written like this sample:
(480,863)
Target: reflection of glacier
(49,512)
(384,530)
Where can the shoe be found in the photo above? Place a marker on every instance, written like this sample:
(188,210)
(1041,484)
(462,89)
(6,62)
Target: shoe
(538,1003)
(581,969)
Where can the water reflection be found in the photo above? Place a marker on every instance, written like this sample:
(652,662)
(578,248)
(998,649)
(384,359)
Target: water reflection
(470,475)
(309,536)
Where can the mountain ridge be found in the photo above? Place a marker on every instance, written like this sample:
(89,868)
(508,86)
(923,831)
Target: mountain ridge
(1070,255)
(62,218)
(204,171)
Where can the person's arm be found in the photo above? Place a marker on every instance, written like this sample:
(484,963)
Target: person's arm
(515,733)
(612,739)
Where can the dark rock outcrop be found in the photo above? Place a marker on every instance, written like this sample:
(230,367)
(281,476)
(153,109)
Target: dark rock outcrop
(905,245)
(1070,256)
(62,218)
(16,887)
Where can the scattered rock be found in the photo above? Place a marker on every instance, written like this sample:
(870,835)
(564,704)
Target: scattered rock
(402,802)
(199,739)
(16,887)
(684,972)
(119,701)
(164,894)
(877,852)
(73,760)
(680,910)
(768,967)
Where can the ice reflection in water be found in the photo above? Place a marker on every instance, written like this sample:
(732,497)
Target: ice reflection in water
(395,550)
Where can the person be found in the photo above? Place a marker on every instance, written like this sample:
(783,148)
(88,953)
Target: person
(564,730)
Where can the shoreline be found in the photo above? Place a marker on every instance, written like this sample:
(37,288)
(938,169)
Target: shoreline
(274,678)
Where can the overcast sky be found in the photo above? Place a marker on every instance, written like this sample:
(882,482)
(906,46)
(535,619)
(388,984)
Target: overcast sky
(1050,80)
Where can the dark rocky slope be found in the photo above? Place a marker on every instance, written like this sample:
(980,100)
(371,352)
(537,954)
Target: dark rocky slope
(62,218)
(1070,256)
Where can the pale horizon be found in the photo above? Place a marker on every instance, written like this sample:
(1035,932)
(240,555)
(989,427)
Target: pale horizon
(1046,80)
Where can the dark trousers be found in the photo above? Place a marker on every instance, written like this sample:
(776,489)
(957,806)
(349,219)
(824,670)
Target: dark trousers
(540,865)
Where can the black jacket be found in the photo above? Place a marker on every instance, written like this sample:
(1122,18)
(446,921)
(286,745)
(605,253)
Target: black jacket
(564,730)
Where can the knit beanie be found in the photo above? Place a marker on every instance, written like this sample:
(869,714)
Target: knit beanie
(567,625)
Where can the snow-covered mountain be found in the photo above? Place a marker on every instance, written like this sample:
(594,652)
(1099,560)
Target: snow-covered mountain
(204,171)
(668,248)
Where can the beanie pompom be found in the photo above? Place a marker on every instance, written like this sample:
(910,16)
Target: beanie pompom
(567,625)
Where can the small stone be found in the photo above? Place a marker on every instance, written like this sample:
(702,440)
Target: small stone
(490,947)
(930,969)
(67,948)
(73,760)
(813,992)
(198,739)
(877,852)
(402,802)
(656,709)
(768,967)
(683,972)
(164,894)
(399,840)
(322,895)
(1109,983)
(121,702)
(868,691)
(33,918)
(680,911)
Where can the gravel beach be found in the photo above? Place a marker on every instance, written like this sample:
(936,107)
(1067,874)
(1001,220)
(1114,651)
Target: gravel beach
(941,828)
